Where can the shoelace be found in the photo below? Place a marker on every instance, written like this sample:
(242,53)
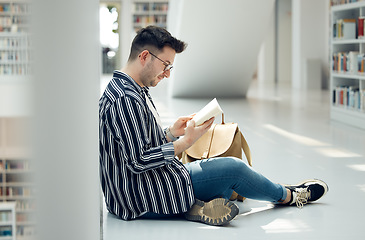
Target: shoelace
(302,197)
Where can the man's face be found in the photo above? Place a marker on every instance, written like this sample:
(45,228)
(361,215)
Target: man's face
(153,72)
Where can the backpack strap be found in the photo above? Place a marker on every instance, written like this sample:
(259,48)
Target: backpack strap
(206,152)
(246,149)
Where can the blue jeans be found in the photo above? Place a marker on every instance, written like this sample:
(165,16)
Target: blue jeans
(219,177)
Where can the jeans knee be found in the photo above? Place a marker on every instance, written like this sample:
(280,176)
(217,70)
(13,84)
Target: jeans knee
(236,166)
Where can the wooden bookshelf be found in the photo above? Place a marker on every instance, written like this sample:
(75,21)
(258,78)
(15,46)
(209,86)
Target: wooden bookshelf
(347,67)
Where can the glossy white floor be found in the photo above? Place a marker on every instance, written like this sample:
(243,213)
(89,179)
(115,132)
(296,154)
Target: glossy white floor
(291,138)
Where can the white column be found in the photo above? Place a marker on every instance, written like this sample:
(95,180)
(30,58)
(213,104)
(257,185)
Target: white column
(266,57)
(65,126)
(126,33)
(296,44)
(310,37)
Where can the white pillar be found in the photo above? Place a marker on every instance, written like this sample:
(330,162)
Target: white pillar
(65,134)
(266,57)
(126,34)
(310,37)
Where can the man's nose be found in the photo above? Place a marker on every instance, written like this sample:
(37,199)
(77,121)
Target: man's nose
(166,73)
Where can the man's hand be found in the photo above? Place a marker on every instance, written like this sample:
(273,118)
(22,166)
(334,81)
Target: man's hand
(192,134)
(178,129)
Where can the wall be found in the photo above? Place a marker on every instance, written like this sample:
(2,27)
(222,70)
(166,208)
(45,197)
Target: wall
(224,42)
(266,56)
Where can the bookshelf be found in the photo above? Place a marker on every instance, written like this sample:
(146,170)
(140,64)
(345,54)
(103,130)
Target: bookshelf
(149,12)
(16,175)
(347,64)
(14,40)
(7,221)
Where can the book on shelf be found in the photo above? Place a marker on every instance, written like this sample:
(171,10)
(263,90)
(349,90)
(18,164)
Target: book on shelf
(25,231)
(6,216)
(345,29)
(5,7)
(340,2)
(351,62)
(360,27)
(5,231)
(349,96)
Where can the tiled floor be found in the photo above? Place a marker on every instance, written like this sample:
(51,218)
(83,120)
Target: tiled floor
(291,138)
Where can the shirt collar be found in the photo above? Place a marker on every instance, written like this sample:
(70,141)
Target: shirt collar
(129,79)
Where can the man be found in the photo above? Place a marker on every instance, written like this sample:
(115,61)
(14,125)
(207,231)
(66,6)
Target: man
(140,175)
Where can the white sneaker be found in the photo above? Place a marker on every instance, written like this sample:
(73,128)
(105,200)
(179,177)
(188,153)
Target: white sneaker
(307,191)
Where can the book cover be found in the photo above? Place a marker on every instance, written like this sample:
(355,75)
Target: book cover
(353,66)
(360,27)
(362,99)
(349,29)
(339,28)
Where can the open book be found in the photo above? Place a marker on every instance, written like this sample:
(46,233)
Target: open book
(212,109)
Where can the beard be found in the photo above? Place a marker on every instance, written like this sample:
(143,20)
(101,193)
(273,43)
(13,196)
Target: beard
(148,76)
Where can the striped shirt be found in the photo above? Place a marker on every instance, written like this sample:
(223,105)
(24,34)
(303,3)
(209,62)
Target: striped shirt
(138,170)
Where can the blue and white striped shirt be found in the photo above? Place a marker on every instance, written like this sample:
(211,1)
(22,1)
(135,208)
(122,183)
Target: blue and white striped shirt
(138,170)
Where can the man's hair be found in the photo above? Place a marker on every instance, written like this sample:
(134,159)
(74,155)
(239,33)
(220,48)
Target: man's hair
(154,38)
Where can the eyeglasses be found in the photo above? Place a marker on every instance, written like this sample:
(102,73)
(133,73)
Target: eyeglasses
(168,66)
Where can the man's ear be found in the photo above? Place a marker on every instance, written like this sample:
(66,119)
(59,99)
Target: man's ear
(143,57)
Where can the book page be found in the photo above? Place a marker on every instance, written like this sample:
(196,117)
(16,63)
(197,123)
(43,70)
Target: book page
(212,109)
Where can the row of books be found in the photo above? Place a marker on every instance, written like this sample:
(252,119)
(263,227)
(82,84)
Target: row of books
(6,216)
(144,7)
(24,217)
(348,62)
(13,56)
(349,96)
(339,2)
(156,19)
(23,165)
(345,29)
(18,191)
(26,205)
(14,8)
(349,28)
(13,42)
(11,69)
(10,42)
(7,20)
(5,231)
(25,231)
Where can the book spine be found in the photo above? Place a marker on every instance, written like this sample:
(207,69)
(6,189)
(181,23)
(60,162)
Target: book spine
(360,27)
(350,97)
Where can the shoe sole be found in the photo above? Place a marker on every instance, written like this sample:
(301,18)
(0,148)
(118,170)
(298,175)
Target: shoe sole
(322,183)
(216,212)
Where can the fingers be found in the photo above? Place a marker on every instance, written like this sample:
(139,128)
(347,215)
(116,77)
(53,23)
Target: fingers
(208,123)
(191,123)
(185,118)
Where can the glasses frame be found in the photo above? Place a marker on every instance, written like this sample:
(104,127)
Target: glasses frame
(168,66)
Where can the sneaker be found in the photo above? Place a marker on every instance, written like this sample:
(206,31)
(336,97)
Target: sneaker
(216,212)
(306,192)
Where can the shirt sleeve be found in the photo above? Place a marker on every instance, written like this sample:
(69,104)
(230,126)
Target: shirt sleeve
(132,130)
